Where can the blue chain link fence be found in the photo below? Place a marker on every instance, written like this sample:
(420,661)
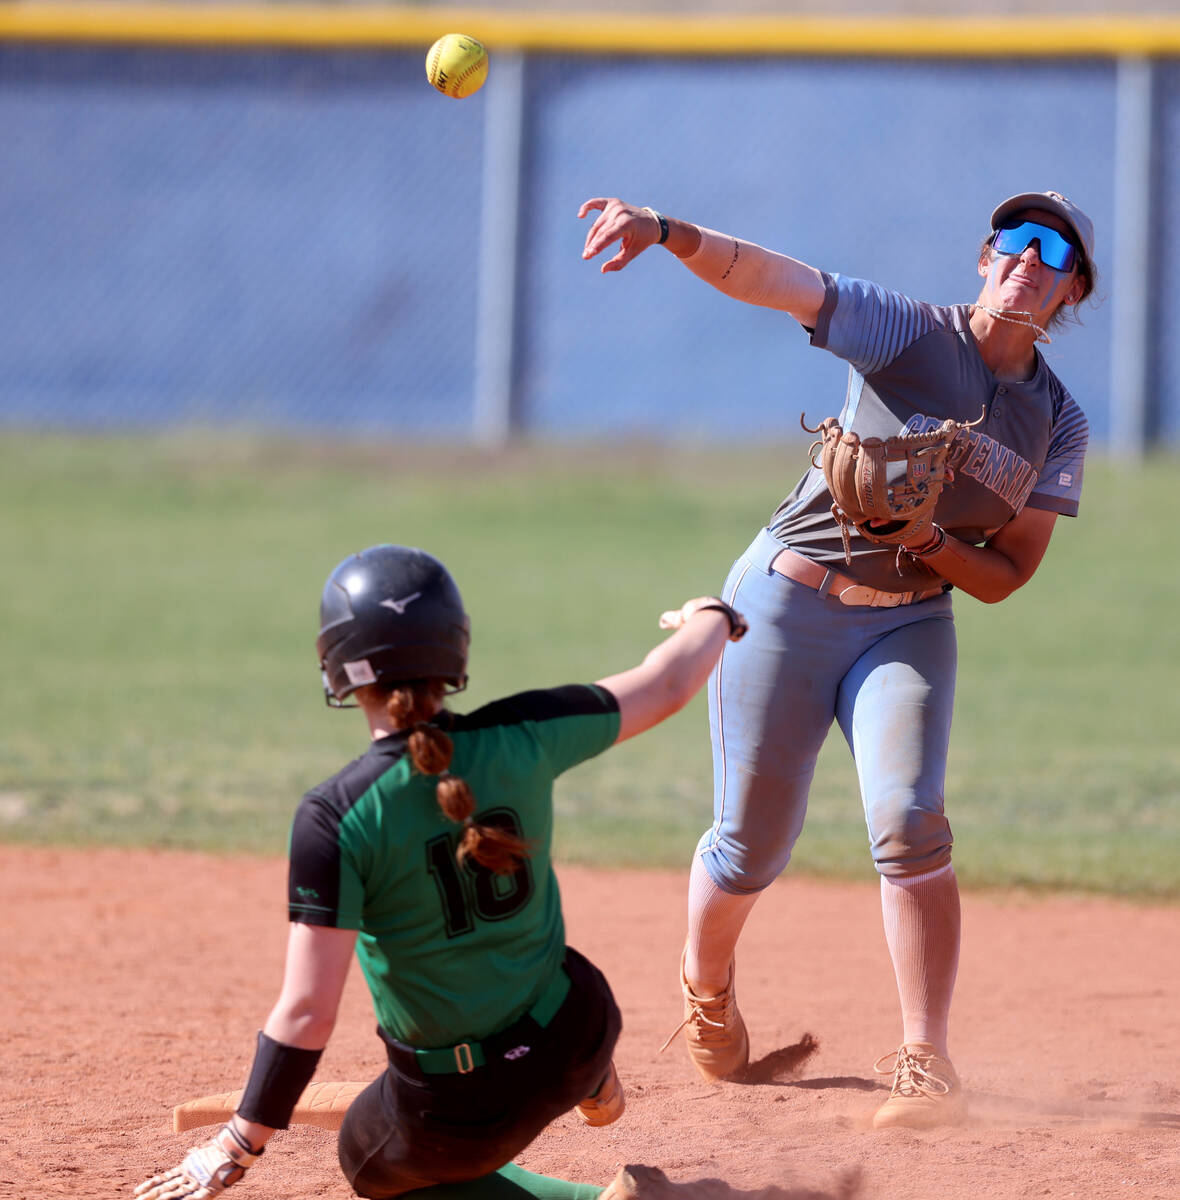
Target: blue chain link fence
(293,239)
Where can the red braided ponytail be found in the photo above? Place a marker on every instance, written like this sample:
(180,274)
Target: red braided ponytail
(410,706)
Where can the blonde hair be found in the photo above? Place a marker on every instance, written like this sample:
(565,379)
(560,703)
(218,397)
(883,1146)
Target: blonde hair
(412,706)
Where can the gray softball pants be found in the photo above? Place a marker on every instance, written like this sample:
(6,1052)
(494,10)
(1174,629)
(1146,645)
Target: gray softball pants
(887,675)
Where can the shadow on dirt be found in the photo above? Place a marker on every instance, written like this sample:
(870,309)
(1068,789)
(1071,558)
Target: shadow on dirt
(650,1183)
(850,1083)
(781,1064)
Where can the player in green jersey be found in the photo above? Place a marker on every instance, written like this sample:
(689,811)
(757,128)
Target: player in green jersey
(430,855)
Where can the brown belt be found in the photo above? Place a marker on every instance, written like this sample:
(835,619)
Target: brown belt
(847,591)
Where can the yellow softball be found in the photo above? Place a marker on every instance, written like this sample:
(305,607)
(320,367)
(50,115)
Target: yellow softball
(457,65)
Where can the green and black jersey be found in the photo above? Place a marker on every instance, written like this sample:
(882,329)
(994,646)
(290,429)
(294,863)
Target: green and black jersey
(450,954)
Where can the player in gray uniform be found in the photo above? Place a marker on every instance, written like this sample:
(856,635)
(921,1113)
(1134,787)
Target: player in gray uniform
(869,640)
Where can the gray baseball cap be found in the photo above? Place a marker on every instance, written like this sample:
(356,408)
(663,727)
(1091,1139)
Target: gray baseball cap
(1063,207)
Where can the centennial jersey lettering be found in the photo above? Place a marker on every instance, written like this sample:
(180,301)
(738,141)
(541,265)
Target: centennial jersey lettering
(997,467)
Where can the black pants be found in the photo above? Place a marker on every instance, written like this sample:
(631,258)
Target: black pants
(410,1130)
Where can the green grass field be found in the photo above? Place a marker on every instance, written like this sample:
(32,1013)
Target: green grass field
(159,614)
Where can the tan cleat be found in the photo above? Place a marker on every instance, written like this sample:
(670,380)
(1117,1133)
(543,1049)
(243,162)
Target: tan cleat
(716,1034)
(607,1104)
(926,1090)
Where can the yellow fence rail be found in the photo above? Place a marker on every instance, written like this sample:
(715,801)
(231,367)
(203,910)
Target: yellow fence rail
(313,26)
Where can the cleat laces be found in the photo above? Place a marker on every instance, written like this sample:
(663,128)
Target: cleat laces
(710,1016)
(912,1074)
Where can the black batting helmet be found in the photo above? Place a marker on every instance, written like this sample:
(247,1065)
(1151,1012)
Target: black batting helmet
(391,614)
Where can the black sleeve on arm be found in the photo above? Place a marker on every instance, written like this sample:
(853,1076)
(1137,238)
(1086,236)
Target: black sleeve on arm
(540,704)
(313,874)
(277,1079)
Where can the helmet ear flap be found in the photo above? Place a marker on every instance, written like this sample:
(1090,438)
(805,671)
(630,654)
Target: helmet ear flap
(329,695)
(390,614)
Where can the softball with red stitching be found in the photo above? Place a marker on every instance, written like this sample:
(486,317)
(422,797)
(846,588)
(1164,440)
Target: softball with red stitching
(457,65)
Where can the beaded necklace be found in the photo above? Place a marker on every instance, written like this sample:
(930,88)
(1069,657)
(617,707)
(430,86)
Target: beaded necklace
(1016,318)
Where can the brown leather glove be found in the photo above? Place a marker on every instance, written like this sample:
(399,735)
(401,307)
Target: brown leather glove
(886,488)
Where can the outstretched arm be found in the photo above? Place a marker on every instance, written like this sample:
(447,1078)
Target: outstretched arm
(304,1015)
(742,270)
(676,669)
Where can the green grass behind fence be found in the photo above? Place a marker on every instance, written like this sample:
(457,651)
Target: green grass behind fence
(159,612)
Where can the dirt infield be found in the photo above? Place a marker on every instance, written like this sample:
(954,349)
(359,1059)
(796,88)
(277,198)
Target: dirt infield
(133,981)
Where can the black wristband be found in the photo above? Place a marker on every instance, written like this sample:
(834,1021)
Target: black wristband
(659,216)
(277,1079)
(737,623)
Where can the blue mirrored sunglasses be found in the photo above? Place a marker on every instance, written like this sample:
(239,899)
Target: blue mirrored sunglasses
(1055,250)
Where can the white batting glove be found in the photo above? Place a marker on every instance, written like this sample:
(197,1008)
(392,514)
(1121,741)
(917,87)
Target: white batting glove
(675,618)
(206,1170)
